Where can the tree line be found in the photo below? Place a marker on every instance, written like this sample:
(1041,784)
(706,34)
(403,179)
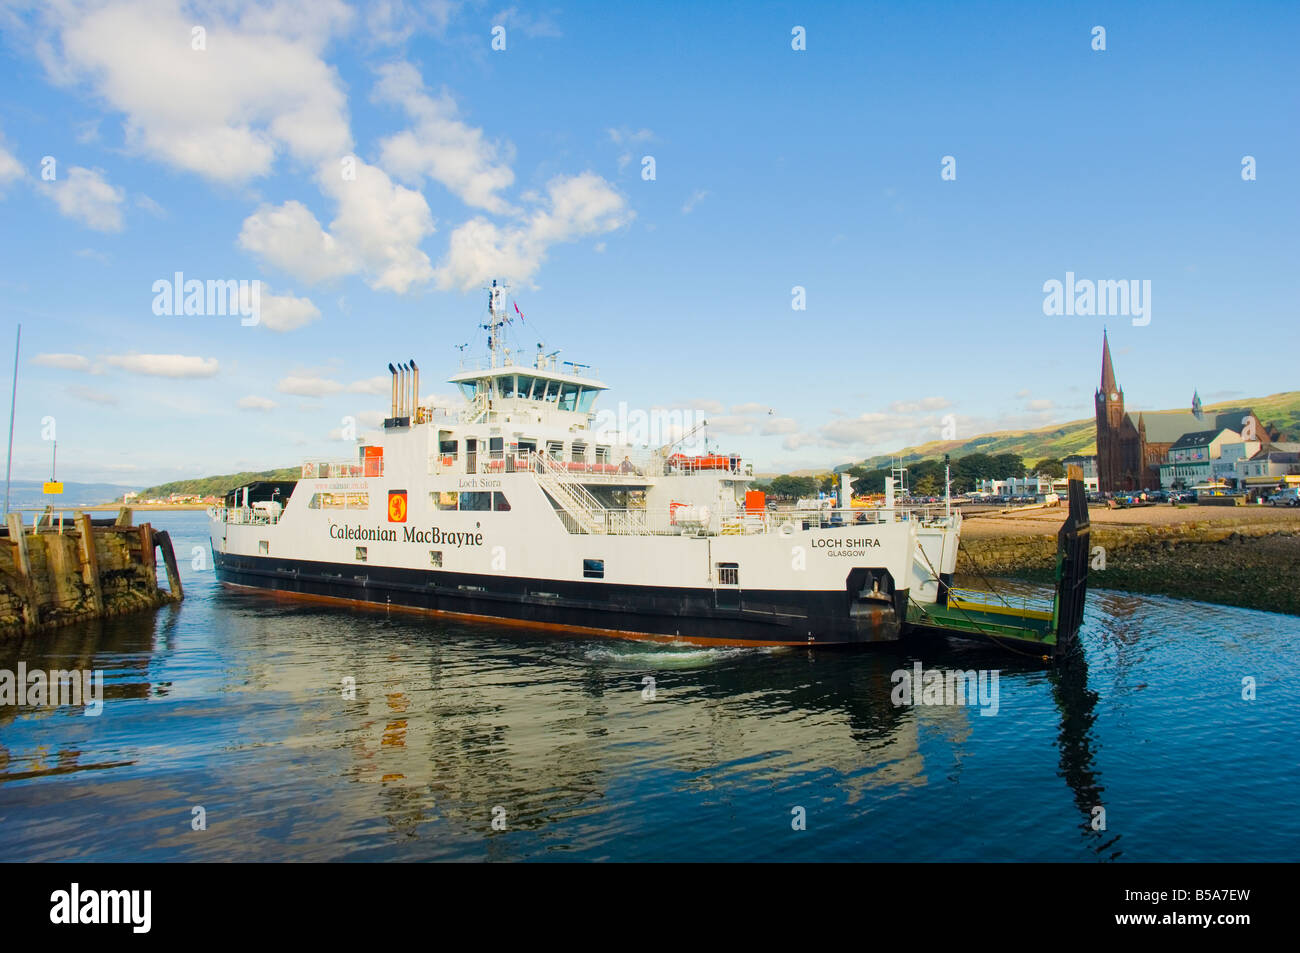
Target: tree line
(924,477)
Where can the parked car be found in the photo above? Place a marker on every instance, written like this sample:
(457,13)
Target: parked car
(1288,497)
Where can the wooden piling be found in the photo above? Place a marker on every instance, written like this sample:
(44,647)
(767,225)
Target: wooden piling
(148,558)
(89,561)
(164,542)
(23,563)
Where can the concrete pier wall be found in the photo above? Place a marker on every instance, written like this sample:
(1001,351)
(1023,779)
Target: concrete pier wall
(57,572)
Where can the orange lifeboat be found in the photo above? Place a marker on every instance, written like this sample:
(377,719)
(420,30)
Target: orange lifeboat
(680,461)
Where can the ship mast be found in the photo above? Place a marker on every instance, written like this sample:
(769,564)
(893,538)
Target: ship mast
(496,322)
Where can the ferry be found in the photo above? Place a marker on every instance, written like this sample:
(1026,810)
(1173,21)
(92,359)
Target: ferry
(514,506)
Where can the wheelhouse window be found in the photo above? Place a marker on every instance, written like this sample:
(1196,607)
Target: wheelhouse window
(729,574)
(593,568)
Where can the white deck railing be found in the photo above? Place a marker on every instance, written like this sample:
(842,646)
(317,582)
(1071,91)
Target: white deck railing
(243,516)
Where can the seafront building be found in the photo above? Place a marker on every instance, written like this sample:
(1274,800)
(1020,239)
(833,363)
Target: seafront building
(1275,465)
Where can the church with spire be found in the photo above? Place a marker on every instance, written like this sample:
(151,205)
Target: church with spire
(1120,449)
(1129,451)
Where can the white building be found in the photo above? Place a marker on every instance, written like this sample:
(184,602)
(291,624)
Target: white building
(1192,456)
(1037,485)
(1279,463)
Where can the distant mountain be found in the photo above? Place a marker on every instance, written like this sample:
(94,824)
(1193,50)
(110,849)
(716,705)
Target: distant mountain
(27,493)
(1280,411)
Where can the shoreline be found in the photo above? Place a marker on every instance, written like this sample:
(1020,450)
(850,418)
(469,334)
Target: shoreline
(1234,556)
(114,507)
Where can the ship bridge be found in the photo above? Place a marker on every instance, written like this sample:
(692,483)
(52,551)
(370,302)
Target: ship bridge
(536,391)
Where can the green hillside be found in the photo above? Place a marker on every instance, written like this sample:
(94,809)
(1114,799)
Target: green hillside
(1280,411)
(218,485)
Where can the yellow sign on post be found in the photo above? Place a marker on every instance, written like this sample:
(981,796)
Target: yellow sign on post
(52,488)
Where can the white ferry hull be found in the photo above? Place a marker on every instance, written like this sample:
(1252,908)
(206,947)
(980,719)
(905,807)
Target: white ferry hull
(703,616)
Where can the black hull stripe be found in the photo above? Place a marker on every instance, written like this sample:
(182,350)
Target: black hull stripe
(705,616)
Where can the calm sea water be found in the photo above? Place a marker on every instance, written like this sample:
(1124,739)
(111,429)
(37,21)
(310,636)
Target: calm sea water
(234,703)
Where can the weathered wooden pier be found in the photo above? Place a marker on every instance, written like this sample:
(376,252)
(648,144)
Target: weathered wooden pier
(65,567)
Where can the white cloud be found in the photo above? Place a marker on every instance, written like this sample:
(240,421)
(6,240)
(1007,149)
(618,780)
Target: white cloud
(534,26)
(149,205)
(382,223)
(925,403)
(381,384)
(779,425)
(11,170)
(706,406)
(290,238)
(87,196)
(625,136)
(286,312)
(440,146)
(164,365)
(67,362)
(93,396)
(731,425)
(873,430)
(698,196)
(377,231)
(308,386)
(798,441)
(253,402)
(223,112)
(393,22)
(750,409)
(574,206)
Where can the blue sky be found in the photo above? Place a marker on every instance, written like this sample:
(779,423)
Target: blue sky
(774,168)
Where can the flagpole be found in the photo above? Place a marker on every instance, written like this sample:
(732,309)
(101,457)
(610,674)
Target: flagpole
(13,404)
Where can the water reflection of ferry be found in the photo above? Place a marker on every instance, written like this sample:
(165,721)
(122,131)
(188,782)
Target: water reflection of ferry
(513,506)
